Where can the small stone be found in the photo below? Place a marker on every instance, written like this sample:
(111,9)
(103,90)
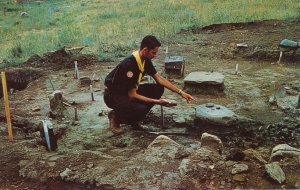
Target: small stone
(24,14)
(241,45)
(90,165)
(35,109)
(51,164)
(230,163)
(65,173)
(74,103)
(179,120)
(297,184)
(75,123)
(239,177)
(102,113)
(288,43)
(210,31)
(239,168)
(286,119)
(272,100)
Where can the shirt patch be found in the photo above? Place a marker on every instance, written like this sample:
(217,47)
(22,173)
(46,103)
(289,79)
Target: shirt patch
(129,74)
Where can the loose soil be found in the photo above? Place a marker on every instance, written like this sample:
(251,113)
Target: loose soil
(212,48)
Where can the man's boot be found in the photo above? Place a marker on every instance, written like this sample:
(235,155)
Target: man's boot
(114,125)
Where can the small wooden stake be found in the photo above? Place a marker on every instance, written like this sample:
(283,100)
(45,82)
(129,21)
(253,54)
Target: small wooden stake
(162,117)
(6,103)
(76,115)
(92,92)
(298,103)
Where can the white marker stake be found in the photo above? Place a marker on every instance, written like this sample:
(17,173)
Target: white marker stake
(47,135)
(236,69)
(166,51)
(280,56)
(75,72)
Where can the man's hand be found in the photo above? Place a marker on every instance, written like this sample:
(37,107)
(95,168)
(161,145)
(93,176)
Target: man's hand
(187,96)
(167,103)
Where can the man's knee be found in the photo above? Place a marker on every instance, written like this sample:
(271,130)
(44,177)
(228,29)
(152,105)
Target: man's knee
(133,114)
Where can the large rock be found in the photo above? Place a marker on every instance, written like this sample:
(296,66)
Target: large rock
(161,150)
(275,172)
(284,150)
(56,104)
(204,82)
(211,142)
(235,154)
(217,119)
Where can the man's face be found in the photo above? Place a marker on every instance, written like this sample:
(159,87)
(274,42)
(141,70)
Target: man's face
(151,53)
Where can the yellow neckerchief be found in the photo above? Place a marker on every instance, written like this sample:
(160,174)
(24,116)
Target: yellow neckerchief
(140,64)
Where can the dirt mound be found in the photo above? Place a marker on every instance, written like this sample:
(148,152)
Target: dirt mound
(260,39)
(60,59)
(19,78)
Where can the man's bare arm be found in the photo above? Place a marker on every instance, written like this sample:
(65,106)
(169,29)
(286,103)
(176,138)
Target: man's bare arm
(133,94)
(164,82)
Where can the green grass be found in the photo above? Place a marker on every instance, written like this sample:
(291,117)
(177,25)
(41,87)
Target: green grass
(113,28)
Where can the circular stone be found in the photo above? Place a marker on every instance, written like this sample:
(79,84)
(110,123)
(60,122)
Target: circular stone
(213,111)
(216,119)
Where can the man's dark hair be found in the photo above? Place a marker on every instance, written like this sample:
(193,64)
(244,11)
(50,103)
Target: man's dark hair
(150,42)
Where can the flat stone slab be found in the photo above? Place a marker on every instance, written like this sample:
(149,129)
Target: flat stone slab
(204,82)
(204,77)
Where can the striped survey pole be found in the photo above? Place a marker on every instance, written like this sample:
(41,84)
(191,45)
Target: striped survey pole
(6,104)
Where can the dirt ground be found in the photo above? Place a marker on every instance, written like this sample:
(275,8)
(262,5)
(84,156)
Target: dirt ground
(212,48)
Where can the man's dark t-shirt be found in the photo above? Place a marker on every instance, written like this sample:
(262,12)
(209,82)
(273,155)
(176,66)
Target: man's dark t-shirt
(125,76)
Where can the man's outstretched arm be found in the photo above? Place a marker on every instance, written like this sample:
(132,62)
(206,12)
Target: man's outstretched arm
(133,94)
(164,82)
